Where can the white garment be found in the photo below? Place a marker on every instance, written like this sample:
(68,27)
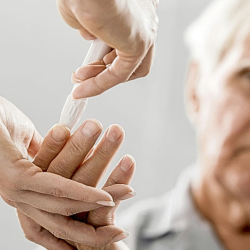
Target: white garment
(168,222)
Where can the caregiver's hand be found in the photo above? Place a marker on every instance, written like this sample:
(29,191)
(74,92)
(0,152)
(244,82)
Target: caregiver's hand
(129,27)
(65,160)
(21,181)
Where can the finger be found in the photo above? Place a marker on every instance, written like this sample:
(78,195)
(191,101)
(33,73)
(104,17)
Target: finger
(47,183)
(145,66)
(93,69)
(119,71)
(51,146)
(106,215)
(86,72)
(62,206)
(35,144)
(68,229)
(41,236)
(75,151)
(116,191)
(110,57)
(92,169)
(122,174)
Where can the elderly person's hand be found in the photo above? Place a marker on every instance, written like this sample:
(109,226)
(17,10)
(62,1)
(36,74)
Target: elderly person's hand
(21,181)
(129,27)
(95,228)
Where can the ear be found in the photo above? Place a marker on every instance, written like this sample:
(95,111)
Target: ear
(192,91)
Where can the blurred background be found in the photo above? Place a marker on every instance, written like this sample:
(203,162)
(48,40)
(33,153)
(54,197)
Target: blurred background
(38,53)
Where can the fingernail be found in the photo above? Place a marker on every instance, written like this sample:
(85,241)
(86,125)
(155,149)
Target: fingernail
(120,237)
(114,133)
(74,79)
(106,203)
(128,196)
(59,133)
(127,163)
(91,128)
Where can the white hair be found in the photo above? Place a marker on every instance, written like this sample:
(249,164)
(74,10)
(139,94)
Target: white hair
(217,29)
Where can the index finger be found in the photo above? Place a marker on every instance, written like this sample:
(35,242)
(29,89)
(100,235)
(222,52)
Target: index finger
(119,71)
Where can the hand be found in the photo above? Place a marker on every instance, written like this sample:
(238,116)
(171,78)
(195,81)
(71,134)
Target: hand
(129,27)
(23,182)
(65,161)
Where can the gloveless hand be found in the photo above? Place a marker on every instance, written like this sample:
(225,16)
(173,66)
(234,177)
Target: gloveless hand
(87,230)
(129,27)
(23,182)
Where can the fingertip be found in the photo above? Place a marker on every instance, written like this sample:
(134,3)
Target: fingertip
(115,132)
(91,128)
(128,196)
(60,132)
(97,122)
(120,237)
(127,163)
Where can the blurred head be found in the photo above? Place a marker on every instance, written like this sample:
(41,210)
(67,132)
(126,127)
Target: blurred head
(218,93)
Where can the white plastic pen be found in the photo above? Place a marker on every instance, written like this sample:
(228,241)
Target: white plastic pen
(73,109)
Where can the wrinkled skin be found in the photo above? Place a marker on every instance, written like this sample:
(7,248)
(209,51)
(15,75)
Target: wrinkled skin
(128,27)
(218,105)
(44,200)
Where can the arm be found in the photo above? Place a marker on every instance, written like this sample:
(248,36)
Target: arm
(129,27)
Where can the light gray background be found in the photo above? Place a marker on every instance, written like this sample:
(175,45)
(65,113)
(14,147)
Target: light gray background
(38,53)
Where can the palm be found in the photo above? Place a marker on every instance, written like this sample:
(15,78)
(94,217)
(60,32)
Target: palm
(20,129)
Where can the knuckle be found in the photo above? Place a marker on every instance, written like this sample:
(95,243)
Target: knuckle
(99,87)
(113,181)
(52,148)
(76,145)
(59,168)
(119,77)
(103,155)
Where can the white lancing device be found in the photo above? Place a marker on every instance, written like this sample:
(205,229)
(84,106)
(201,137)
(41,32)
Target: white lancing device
(73,109)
